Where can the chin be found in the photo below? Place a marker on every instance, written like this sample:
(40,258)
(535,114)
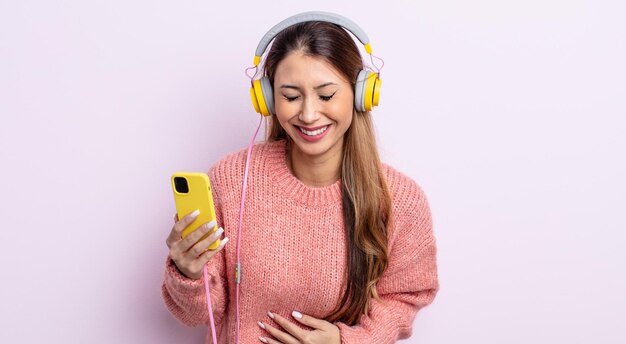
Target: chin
(313,149)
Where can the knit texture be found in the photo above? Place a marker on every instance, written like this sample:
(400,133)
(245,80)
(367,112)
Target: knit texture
(294,254)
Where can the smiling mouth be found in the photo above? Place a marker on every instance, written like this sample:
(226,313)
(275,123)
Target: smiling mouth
(315,132)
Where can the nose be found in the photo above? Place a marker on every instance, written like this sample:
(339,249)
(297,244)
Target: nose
(309,113)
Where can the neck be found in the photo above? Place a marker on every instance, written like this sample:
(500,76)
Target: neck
(318,171)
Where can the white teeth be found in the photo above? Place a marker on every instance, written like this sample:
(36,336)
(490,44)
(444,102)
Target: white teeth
(314,132)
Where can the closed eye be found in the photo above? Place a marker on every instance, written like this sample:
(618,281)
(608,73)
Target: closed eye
(327,98)
(290,99)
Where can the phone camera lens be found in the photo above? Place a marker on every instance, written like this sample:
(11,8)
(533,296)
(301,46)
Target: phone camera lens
(181,185)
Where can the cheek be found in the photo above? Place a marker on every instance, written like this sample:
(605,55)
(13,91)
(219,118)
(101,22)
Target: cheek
(281,111)
(285,109)
(283,114)
(343,109)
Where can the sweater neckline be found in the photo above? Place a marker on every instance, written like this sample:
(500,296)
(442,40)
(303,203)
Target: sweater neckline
(293,188)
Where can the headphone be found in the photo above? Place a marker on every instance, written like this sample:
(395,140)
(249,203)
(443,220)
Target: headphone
(366,89)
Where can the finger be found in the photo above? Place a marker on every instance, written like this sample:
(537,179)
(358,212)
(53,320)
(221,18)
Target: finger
(199,263)
(179,226)
(192,266)
(208,255)
(269,340)
(205,243)
(205,257)
(192,238)
(291,328)
(310,321)
(187,220)
(180,246)
(174,233)
(280,336)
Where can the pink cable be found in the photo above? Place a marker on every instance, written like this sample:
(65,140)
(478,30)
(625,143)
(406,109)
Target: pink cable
(248,75)
(373,64)
(243,199)
(238,268)
(207,290)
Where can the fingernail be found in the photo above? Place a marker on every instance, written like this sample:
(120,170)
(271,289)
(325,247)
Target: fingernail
(263,339)
(224,241)
(209,226)
(270,315)
(195,213)
(261,325)
(219,231)
(296,314)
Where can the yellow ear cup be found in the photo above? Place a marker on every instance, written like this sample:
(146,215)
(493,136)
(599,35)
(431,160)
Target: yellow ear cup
(261,107)
(377,91)
(255,102)
(369,91)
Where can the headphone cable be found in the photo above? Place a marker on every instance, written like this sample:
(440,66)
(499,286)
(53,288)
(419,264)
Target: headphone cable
(238,266)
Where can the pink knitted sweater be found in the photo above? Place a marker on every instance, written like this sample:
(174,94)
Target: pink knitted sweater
(294,254)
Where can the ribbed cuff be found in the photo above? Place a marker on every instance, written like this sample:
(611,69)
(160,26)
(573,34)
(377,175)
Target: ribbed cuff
(174,279)
(351,335)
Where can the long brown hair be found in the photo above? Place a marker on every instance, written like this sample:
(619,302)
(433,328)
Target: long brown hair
(365,197)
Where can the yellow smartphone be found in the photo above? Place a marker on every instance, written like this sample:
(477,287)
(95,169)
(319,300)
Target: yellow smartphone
(192,190)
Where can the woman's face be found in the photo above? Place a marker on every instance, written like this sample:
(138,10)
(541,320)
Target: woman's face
(314,104)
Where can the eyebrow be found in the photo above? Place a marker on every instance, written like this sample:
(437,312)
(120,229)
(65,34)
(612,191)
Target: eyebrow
(315,88)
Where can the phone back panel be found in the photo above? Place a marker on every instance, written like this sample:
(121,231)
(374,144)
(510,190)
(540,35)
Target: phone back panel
(198,197)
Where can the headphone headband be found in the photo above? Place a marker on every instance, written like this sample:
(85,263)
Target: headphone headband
(311,16)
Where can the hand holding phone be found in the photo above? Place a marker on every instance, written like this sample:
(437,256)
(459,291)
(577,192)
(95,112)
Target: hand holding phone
(192,191)
(194,240)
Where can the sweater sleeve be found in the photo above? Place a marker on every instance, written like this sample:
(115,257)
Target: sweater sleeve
(410,281)
(186,299)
